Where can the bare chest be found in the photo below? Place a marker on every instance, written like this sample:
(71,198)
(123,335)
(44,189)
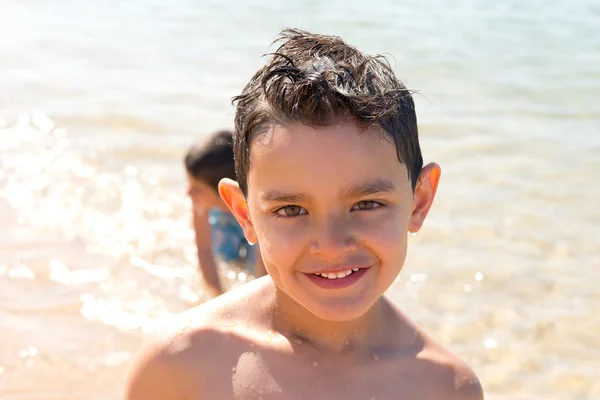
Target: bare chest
(256,377)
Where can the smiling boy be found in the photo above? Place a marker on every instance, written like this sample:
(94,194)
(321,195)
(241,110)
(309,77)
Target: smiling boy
(330,182)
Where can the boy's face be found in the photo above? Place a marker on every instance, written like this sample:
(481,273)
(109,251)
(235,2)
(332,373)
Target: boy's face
(328,201)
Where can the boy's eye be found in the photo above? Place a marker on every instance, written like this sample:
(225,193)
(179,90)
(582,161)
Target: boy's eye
(366,205)
(291,211)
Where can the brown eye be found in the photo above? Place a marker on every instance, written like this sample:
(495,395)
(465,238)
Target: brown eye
(291,211)
(366,205)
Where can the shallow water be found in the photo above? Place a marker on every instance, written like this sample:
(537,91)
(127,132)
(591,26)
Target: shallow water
(99,102)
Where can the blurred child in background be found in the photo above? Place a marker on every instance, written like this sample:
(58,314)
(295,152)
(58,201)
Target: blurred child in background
(219,237)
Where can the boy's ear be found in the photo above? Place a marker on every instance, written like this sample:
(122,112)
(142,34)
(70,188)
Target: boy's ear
(232,195)
(423,196)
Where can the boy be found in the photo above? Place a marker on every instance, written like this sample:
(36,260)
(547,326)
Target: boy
(330,180)
(218,234)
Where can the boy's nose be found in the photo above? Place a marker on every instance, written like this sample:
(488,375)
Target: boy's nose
(333,239)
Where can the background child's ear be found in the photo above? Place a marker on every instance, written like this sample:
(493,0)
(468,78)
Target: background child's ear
(232,195)
(423,196)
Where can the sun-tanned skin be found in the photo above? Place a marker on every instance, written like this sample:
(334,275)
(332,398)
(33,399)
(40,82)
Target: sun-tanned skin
(321,200)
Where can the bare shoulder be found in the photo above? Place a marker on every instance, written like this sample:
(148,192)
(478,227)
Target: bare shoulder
(158,372)
(200,345)
(450,376)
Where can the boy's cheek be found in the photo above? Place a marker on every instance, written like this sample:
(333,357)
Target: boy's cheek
(278,239)
(285,240)
(387,228)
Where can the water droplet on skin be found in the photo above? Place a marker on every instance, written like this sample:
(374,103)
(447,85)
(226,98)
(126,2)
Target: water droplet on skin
(298,341)
(346,343)
(32,351)
(233,369)
(467,288)
(375,357)
(1,370)
(23,353)
(315,364)
(478,276)
(413,234)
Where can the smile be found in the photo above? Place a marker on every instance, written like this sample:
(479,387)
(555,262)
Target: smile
(338,279)
(337,275)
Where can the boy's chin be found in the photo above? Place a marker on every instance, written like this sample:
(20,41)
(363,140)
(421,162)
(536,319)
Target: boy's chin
(340,310)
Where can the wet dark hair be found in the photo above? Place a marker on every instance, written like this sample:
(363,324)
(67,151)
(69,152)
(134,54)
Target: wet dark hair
(212,159)
(319,80)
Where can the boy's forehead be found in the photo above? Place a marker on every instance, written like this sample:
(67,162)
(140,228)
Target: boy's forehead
(343,155)
(344,136)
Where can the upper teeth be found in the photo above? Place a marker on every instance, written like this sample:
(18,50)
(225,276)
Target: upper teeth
(336,275)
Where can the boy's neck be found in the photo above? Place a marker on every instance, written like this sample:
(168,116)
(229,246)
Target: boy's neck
(296,322)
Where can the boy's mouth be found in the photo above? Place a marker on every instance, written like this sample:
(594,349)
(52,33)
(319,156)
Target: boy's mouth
(337,279)
(337,275)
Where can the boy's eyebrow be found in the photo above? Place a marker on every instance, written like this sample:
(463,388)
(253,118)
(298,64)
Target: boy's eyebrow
(373,187)
(281,197)
(365,189)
